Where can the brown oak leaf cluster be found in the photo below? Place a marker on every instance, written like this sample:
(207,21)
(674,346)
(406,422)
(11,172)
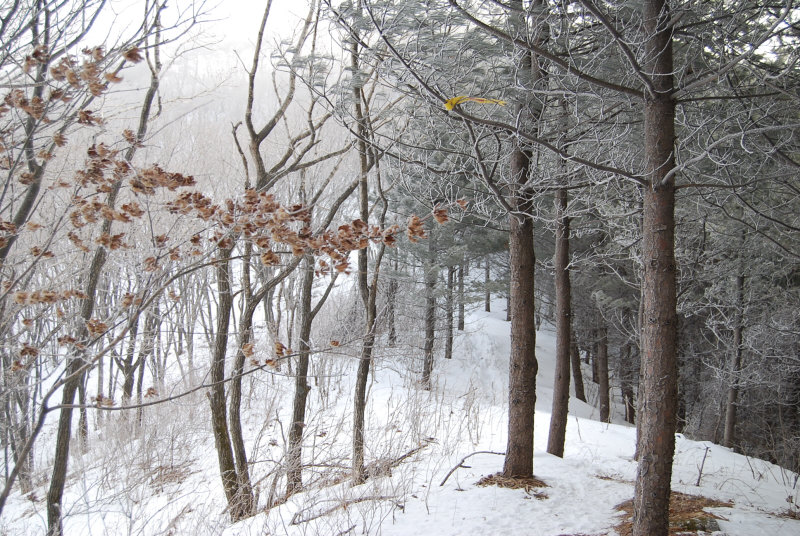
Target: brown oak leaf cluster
(259,218)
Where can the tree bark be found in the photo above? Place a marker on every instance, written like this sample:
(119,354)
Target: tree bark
(83,417)
(522,311)
(237,504)
(461,298)
(368,292)
(560,411)
(577,375)
(234,412)
(360,398)
(602,373)
(593,353)
(431,274)
(449,313)
(294,461)
(626,383)
(391,298)
(729,438)
(487,278)
(61,458)
(659,385)
(523,365)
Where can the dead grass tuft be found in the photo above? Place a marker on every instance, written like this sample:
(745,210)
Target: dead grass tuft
(613,478)
(163,476)
(790,513)
(686,515)
(529,484)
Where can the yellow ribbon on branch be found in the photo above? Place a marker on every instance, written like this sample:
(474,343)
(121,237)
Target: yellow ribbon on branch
(455,101)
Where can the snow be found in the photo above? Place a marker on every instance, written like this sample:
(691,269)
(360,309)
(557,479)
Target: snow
(166,481)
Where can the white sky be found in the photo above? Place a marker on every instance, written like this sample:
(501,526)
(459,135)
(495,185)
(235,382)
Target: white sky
(240,19)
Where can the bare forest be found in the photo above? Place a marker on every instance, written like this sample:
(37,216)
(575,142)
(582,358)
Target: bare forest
(276,267)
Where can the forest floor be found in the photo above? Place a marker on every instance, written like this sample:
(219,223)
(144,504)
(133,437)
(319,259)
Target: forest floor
(432,456)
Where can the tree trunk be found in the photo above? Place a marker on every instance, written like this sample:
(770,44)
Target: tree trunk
(729,438)
(449,313)
(219,422)
(360,398)
(522,263)
(73,378)
(100,381)
(594,350)
(294,454)
(18,427)
(659,377)
(391,298)
(368,292)
(487,278)
(246,498)
(83,417)
(626,383)
(523,365)
(431,274)
(461,298)
(250,303)
(61,458)
(602,373)
(558,417)
(75,362)
(126,366)
(577,375)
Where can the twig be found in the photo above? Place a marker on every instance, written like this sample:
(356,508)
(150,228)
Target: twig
(408,454)
(702,464)
(297,519)
(460,464)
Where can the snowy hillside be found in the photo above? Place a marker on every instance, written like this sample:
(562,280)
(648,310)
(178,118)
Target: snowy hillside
(165,480)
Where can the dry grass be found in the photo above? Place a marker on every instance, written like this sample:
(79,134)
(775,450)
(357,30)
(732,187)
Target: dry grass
(163,476)
(686,514)
(790,513)
(529,484)
(613,478)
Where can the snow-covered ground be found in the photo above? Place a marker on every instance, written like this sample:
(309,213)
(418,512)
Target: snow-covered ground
(165,480)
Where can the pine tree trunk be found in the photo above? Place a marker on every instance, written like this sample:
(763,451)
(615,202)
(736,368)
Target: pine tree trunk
(593,353)
(523,366)
(461,296)
(487,297)
(450,311)
(659,377)
(602,374)
(729,438)
(522,262)
(577,375)
(626,383)
(558,416)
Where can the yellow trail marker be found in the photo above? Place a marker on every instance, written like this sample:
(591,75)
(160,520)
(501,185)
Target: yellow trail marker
(455,101)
